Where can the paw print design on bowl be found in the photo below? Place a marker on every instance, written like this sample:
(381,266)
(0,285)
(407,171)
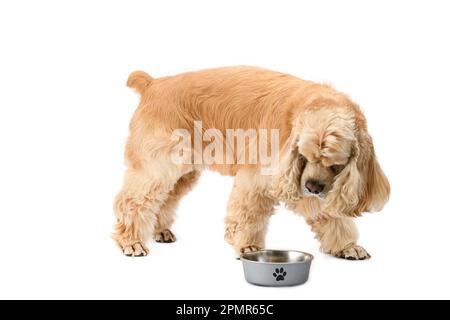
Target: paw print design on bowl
(279,274)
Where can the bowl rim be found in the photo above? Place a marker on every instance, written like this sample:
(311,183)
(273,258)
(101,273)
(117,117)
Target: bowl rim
(242,258)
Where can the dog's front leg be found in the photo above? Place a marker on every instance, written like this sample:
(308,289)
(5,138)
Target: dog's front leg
(338,237)
(249,210)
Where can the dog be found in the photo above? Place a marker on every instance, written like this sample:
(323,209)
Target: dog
(327,171)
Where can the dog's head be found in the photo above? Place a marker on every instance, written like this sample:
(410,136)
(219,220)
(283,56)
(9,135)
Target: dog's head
(331,158)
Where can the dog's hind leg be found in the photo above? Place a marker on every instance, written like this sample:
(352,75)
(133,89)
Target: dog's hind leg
(166,214)
(338,237)
(145,190)
(249,210)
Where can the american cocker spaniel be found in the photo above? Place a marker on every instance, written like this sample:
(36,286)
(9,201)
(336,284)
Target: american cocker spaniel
(325,169)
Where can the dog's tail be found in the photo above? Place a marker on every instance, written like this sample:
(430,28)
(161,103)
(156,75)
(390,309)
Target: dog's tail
(139,81)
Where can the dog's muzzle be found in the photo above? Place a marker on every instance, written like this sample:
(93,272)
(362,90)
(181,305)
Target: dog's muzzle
(315,188)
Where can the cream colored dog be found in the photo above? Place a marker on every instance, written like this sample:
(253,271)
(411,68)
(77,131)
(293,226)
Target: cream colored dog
(328,171)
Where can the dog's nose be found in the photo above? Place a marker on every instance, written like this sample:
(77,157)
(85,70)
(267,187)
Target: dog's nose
(314,186)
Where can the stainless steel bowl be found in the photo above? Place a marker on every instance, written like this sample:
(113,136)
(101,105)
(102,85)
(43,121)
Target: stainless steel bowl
(276,268)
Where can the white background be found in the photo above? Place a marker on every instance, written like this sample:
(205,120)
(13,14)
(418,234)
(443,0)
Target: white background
(64,114)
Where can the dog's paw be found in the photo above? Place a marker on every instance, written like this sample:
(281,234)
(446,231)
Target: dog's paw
(136,250)
(353,252)
(249,249)
(165,236)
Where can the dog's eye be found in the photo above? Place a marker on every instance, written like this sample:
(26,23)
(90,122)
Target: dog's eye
(336,168)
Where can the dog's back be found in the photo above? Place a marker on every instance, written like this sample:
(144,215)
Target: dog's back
(231,97)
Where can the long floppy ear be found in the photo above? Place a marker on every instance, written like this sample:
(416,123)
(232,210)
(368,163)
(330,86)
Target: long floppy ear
(286,185)
(361,186)
(376,186)
(344,197)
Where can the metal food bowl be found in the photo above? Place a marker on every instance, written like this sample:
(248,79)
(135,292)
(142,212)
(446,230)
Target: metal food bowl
(276,268)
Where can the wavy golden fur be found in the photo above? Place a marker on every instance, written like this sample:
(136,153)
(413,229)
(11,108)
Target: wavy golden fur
(328,169)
